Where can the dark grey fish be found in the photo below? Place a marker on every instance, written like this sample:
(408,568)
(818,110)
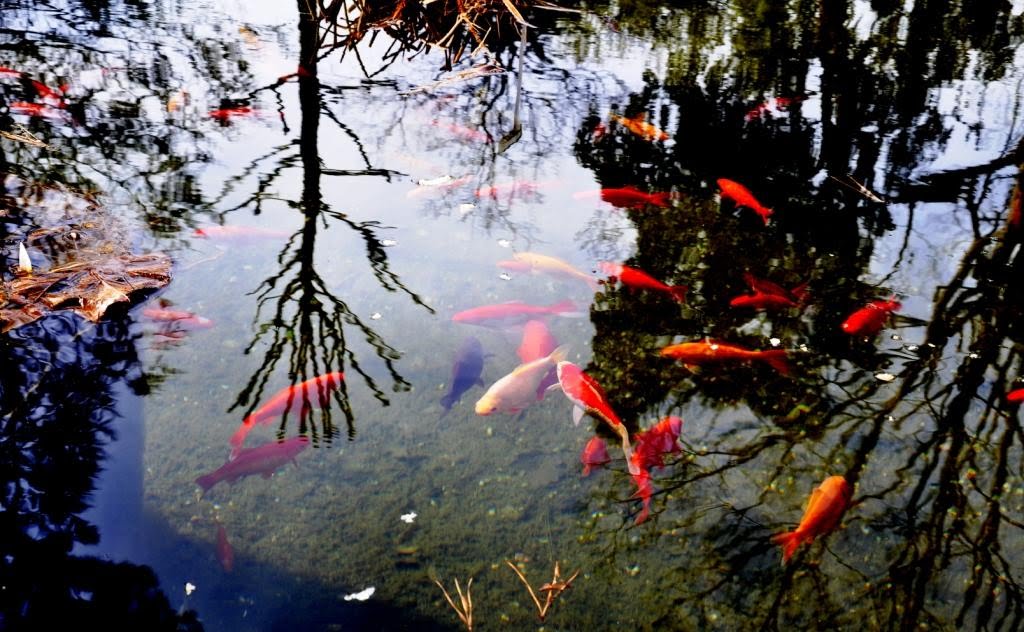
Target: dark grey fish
(469,363)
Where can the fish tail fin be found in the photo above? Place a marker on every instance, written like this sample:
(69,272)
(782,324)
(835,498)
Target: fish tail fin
(765,214)
(206,481)
(678,292)
(777,359)
(559,354)
(789,542)
(586,469)
(801,292)
(662,198)
(238,438)
(627,450)
(567,308)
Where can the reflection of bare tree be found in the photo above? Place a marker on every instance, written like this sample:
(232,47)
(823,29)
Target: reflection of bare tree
(306,320)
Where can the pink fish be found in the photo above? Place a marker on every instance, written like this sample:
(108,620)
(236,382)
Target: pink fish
(263,460)
(463,132)
(508,190)
(538,343)
(512,313)
(636,278)
(238,232)
(313,392)
(588,397)
(594,454)
(225,554)
(178,317)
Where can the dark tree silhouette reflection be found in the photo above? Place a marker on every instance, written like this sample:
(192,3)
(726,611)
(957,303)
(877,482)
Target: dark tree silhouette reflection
(306,322)
(916,419)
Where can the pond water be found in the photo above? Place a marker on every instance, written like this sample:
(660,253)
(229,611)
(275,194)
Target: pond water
(322,221)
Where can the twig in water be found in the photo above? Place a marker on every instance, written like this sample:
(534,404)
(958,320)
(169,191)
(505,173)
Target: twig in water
(466,613)
(553,589)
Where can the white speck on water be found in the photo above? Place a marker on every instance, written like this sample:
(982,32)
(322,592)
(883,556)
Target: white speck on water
(434,182)
(912,347)
(505,276)
(897,337)
(375,316)
(804,348)
(775,341)
(189,588)
(362,595)
(388,242)
(466,208)
(504,243)
(408,517)
(885,377)
(972,355)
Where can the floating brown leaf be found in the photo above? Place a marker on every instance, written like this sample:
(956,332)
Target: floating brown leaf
(87,287)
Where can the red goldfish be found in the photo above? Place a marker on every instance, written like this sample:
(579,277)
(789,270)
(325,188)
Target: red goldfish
(828,502)
(313,392)
(588,397)
(869,320)
(742,196)
(519,389)
(46,93)
(225,554)
(641,127)
(771,106)
(41,110)
(651,445)
(1016,395)
(225,115)
(759,300)
(644,489)
(512,313)
(628,197)
(636,278)
(553,266)
(594,454)
(263,460)
(764,286)
(713,351)
(188,319)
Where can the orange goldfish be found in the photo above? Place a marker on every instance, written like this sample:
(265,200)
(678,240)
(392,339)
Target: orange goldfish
(742,196)
(640,127)
(552,266)
(828,502)
(713,351)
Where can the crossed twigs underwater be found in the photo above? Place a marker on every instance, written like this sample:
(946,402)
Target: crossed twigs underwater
(552,589)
